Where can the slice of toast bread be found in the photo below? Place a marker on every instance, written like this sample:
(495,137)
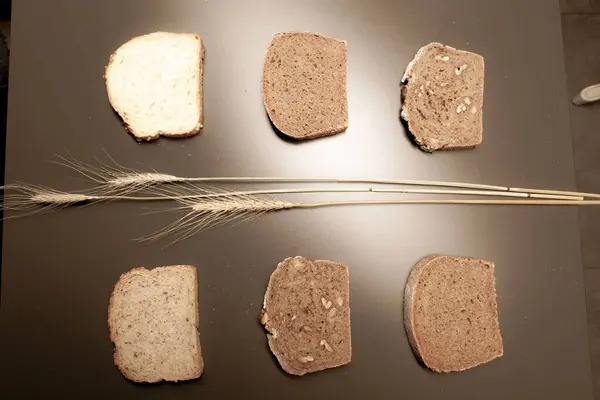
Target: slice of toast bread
(307,314)
(154,83)
(450,313)
(304,85)
(442,98)
(153,323)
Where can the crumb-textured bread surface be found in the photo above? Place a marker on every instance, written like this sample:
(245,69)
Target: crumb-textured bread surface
(307,314)
(442,98)
(304,84)
(153,323)
(154,83)
(451,314)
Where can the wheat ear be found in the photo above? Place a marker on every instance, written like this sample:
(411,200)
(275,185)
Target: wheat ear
(119,180)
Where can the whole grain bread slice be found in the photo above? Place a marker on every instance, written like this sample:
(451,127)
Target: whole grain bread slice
(154,83)
(153,323)
(307,314)
(304,84)
(451,314)
(442,98)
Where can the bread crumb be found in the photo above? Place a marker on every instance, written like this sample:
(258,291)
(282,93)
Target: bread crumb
(264,317)
(326,303)
(306,359)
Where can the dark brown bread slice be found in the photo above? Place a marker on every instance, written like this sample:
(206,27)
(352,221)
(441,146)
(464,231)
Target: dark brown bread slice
(450,313)
(307,314)
(304,84)
(442,98)
(153,323)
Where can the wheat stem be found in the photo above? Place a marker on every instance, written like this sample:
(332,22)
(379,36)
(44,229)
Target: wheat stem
(28,197)
(120,180)
(340,190)
(452,201)
(460,185)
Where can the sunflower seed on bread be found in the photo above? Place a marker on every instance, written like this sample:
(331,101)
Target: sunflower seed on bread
(442,98)
(304,85)
(153,323)
(451,314)
(306,313)
(154,83)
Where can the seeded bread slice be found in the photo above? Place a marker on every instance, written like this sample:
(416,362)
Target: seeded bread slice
(442,98)
(304,85)
(307,314)
(153,323)
(450,313)
(154,82)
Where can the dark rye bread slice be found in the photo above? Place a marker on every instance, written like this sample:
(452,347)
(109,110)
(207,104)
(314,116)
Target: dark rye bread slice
(307,314)
(442,98)
(450,313)
(153,323)
(304,84)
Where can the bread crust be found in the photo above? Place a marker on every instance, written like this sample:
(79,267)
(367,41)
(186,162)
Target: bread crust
(113,336)
(199,97)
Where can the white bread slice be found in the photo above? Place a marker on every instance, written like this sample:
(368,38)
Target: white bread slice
(153,323)
(451,314)
(154,82)
(307,314)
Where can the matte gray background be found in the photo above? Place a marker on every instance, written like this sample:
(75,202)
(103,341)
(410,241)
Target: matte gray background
(59,268)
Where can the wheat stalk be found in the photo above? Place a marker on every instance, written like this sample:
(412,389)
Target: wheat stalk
(210,212)
(22,197)
(119,180)
(209,207)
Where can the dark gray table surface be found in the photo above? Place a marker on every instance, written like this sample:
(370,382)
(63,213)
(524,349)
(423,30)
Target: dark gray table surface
(59,268)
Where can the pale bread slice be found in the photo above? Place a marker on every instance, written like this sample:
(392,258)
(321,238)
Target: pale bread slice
(451,314)
(442,98)
(304,84)
(153,323)
(154,82)
(307,314)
